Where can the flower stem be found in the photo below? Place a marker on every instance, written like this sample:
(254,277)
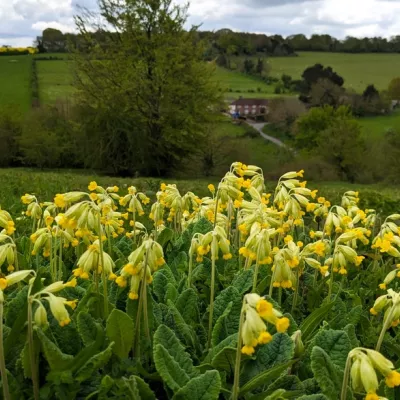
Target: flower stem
(296,291)
(32,352)
(385,327)
(210,323)
(3,370)
(331,278)
(255,276)
(343,395)
(103,271)
(236,381)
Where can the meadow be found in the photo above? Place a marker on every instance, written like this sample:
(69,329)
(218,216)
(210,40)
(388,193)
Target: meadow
(239,291)
(55,80)
(358,70)
(15,76)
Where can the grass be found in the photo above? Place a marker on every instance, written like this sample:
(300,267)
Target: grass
(375,127)
(15,82)
(55,80)
(45,184)
(358,70)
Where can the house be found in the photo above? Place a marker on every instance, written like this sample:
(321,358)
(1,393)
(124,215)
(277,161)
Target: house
(249,107)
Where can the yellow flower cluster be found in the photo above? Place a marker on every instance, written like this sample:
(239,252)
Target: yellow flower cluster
(366,364)
(257,312)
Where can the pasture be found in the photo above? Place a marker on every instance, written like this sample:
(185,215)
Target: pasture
(15,82)
(55,80)
(358,70)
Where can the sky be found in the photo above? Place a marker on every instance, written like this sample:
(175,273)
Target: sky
(23,20)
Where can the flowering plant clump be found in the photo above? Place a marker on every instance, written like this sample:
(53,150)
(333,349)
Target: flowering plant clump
(240,293)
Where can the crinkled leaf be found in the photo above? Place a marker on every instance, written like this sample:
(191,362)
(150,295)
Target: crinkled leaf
(171,294)
(336,344)
(86,326)
(243,281)
(204,387)
(220,331)
(266,377)
(120,330)
(230,341)
(172,362)
(187,305)
(325,373)
(94,364)
(279,350)
(225,360)
(57,360)
(313,397)
(160,282)
(144,389)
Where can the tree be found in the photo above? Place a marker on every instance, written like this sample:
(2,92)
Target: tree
(341,145)
(310,126)
(394,89)
(325,93)
(370,93)
(145,93)
(248,66)
(53,40)
(260,66)
(312,75)
(284,111)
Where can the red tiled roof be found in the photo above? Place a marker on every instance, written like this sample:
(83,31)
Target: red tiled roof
(250,102)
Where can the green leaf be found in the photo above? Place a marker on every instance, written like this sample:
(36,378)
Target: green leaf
(351,333)
(325,373)
(230,294)
(203,387)
(313,397)
(279,350)
(243,281)
(144,389)
(220,332)
(336,344)
(230,341)
(182,329)
(130,388)
(277,395)
(311,323)
(57,360)
(266,377)
(171,293)
(161,279)
(94,364)
(169,369)
(172,362)
(16,306)
(120,330)
(225,360)
(86,326)
(187,305)
(165,237)
(291,383)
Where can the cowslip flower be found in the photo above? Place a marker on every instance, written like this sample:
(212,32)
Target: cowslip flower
(256,311)
(366,364)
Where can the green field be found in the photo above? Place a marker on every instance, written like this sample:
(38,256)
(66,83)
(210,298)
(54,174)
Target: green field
(15,82)
(18,181)
(55,80)
(358,70)
(375,127)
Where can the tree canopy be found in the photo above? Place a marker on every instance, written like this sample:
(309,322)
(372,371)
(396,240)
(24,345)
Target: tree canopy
(144,89)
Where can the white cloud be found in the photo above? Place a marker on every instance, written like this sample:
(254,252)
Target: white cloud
(67,26)
(22,20)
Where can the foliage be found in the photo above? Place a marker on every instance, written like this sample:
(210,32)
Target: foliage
(151,333)
(148,110)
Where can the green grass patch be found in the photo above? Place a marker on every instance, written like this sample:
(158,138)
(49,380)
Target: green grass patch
(55,80)
(358,70)
(374,128)
(15,82)
(45,184)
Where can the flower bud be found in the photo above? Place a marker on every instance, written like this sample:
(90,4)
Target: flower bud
(298,344)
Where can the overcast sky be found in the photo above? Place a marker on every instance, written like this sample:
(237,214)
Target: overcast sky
(23,20)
